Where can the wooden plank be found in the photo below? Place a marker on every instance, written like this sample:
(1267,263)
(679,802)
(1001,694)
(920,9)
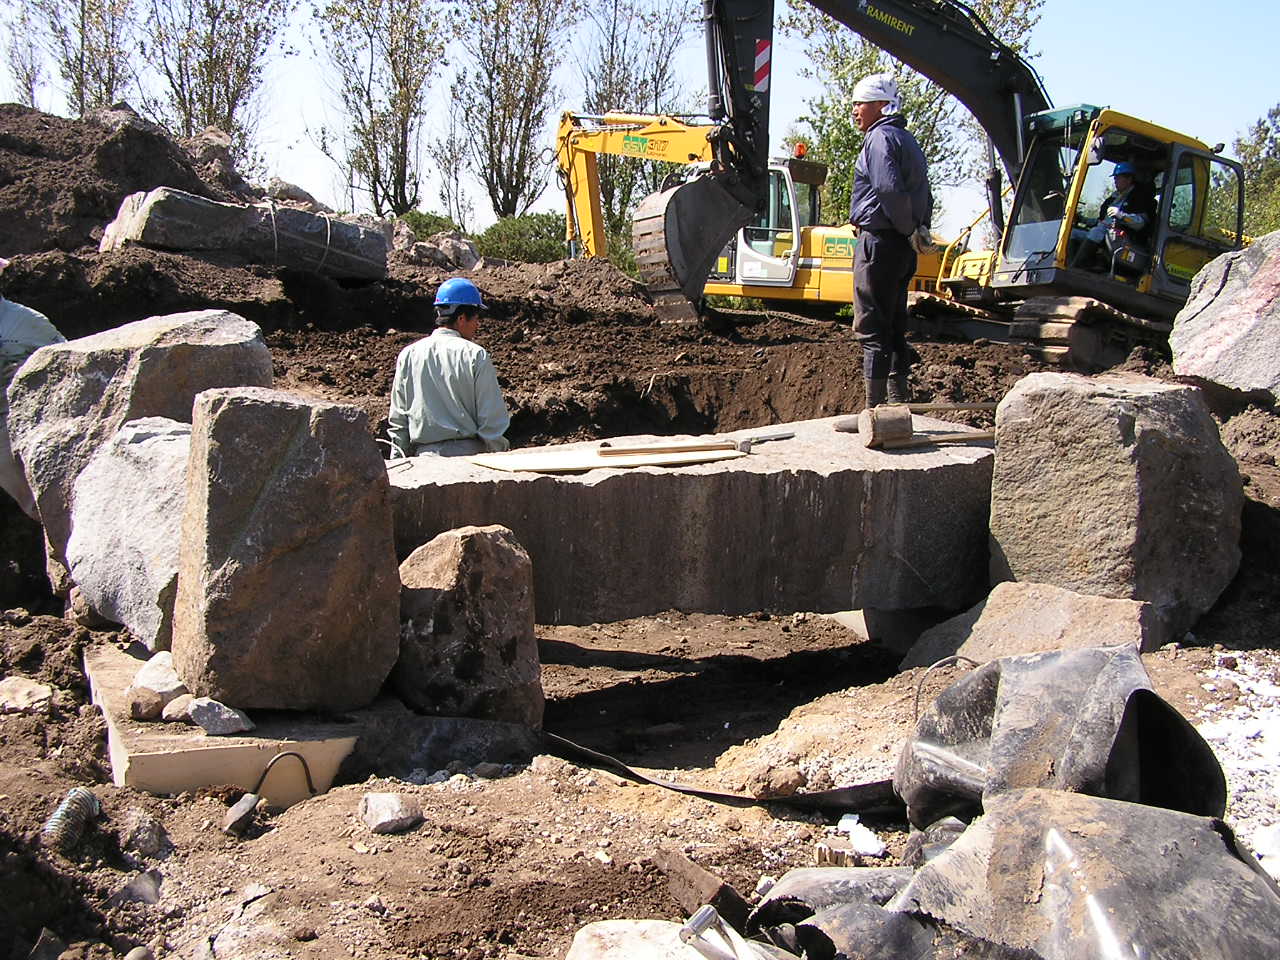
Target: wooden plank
(589,458)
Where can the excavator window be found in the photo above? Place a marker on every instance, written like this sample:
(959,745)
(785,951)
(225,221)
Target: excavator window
(774,227)
(1041,201)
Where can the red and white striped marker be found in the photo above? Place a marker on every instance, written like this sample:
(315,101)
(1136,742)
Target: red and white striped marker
(764,53)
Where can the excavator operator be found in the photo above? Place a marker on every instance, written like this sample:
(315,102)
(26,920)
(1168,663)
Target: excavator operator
(891,207)
(1124,223)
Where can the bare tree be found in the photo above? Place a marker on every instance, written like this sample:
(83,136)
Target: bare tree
(90,43)
(385,53)
(629,65)
(22,56)
(451,154)
(210,56)
(513,47)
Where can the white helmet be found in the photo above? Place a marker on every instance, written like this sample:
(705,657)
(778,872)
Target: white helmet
(878,86)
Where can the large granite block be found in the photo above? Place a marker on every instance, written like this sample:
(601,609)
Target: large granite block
(1116,486)
(1229,331)
(816,522)
(288,592)
(70,398)
(264,233)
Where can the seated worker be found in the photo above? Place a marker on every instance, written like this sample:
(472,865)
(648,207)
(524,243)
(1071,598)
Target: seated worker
(23,331)
(1124,223)
(445,398)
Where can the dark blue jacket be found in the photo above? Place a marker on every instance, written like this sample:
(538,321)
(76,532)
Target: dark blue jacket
(891,180)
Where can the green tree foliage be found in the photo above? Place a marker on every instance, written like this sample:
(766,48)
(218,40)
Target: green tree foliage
(513,48)
(529,238)
(1259,153)
(210,57)
(424,224)
(90,43)
(947,133)
(384,53)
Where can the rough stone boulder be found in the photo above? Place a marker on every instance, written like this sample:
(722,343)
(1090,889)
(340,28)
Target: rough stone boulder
(263,233)
(126,516)
(467,646)
(1020,618)
(1229,331)
(1116,486)
(287,587)
(70,398)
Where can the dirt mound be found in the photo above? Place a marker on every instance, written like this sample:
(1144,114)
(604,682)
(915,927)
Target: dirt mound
(62,180)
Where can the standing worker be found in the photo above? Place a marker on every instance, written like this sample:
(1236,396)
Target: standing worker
(23,331)
(445,398)
(891,207)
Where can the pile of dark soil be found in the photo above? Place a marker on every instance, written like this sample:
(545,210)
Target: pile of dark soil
(61,180)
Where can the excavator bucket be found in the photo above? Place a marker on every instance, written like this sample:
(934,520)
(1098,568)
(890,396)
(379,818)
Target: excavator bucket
(678,234)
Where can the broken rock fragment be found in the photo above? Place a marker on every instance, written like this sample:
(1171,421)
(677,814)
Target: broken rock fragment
(126,515)
(216,718)
(178,710)
(287,588)
(390,812)
(22,695)
(1116,486)
(1020,618)
(158,675)
(467,646)
(144,704)
(70,398)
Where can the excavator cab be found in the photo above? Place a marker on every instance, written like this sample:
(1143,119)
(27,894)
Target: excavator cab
(1195,200)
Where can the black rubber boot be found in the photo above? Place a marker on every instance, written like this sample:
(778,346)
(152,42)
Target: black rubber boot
(899,389)
(877,392)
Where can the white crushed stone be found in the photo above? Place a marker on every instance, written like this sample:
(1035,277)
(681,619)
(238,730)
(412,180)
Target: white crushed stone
(1245,735)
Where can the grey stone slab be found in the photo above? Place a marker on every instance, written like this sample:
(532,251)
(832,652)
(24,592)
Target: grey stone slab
(1020,618)
(126,517)
(265,233)
(814,523)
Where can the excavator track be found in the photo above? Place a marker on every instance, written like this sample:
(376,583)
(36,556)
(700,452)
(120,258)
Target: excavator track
(1081,332)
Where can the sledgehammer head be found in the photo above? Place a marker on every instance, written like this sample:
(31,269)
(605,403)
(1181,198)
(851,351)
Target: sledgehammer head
(884,425)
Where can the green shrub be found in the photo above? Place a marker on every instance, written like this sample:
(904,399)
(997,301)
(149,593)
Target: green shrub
(531,238)
(424,224)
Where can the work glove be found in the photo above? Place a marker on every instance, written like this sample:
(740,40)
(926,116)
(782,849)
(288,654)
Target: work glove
(921,240)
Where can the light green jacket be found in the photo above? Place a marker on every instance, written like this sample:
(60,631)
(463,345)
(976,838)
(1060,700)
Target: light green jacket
(445,388)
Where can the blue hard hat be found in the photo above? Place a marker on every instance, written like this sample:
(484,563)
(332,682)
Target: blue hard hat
(459,292)
(1124,168)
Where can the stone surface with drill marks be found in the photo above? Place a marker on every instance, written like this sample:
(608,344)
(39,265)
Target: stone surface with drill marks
(288,592)
(814,523)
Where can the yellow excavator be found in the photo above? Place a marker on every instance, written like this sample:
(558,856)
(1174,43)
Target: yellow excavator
(1029,289)
(785,256)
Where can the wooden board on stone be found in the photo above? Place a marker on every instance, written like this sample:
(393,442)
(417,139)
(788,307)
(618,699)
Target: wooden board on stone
(589,458)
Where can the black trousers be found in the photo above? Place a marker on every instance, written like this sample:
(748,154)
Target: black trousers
(883,265)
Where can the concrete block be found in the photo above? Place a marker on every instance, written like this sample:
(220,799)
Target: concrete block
(170,759)
(815,523)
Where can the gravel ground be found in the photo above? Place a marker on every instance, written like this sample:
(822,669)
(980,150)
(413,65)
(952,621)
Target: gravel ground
(1245,734)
